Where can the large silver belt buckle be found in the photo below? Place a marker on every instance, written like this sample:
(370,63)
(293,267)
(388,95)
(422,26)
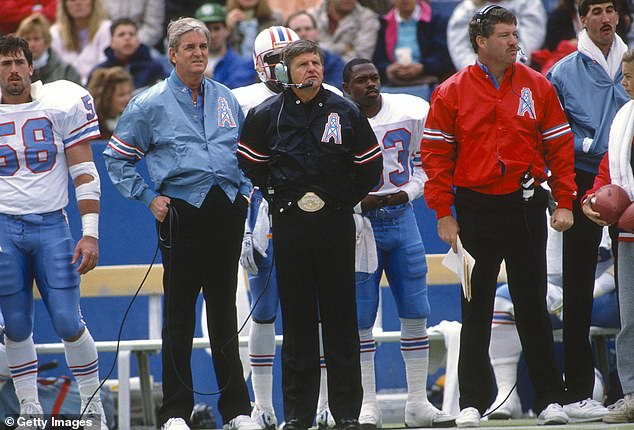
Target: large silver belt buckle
(310,202)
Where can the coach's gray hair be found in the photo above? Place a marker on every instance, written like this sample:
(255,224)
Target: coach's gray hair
(176,29)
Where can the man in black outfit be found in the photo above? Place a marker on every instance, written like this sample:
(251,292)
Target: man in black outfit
(314,156)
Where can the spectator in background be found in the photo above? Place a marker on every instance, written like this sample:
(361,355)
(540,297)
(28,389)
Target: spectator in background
(346,28)
(225,65)
(531,26)
(111,90)
(304,24)
(147,14)
(47,65)
(246,19)
(411,48)
(14,11)
(127,51)
(81,34)
(561,32)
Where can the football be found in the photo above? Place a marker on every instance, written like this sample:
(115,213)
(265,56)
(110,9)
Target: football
(610,201)
(626,221)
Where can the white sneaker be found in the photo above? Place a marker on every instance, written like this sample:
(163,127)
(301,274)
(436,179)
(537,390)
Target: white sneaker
(511,408)
(242,422)
(175,424)
(585,411)
(553,414)
(95,413)
(468,417)
(31,415)
(324,418)
(424,414)
(621,412)
(264,417)
(370,416)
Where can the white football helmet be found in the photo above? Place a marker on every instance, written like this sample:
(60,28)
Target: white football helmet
(268,44)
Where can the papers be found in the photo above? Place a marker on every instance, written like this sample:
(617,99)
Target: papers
(461,263)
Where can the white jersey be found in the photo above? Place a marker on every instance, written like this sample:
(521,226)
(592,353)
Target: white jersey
(33,138)
(399,129)
(254,94)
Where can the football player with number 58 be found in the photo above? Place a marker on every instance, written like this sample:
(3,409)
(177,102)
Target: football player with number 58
(45,135)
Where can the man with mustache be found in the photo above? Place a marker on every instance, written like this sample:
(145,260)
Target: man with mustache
(492,131)
(588,83)
(397,121)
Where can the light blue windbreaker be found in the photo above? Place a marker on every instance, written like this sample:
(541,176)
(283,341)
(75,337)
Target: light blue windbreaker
(184,158)
(590,100)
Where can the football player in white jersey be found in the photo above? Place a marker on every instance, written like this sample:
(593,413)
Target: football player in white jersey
(45,134)
(257,246)
(397,121)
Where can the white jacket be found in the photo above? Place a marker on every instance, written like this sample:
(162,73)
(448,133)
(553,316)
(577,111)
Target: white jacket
(148,14)
(92,54)
(531,25)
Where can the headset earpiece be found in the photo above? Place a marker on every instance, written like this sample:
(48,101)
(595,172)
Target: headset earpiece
(281,73)
(482,13)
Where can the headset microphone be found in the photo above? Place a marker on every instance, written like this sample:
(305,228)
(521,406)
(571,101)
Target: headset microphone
(298,86)
(521,56)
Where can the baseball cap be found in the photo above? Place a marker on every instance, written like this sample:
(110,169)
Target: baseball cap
(211,12)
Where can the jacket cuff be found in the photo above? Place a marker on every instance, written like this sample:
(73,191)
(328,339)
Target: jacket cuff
(443,211)
(564,203)
(148,196)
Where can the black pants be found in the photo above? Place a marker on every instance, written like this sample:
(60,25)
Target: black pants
(581,246)
(314,257)
(492,229)
(205,247)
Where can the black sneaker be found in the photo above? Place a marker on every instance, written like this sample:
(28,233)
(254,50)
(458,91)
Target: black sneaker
(295,424)
(347,424)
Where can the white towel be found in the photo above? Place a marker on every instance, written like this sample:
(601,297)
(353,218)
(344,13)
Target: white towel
(620,148)
(366,259)
(261,229)
(451,332)
(612,64)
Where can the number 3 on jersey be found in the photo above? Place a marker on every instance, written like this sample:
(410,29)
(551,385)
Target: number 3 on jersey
(396,153)
(39,147)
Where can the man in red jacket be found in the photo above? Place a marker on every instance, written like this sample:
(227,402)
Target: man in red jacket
(492,131)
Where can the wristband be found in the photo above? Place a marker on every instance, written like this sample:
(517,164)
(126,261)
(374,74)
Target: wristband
(90,224)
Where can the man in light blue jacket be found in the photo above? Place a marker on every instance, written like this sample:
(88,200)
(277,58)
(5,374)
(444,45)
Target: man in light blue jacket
(588,83)
(187,128)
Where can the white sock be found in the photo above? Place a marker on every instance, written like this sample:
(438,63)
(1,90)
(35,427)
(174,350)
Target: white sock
(261,356)
(322,402)
(415,352)
(505,347)
(22,361)
(81,357)
(5,374)
(368,377)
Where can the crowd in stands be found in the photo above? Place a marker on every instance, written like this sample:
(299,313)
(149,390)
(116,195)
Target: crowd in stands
(414,43)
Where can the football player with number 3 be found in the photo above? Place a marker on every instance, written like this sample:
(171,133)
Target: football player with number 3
(257,246)
(46,132)
(397,121)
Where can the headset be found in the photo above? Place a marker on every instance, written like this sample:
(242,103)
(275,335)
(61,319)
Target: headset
(482,13)
(283,77)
